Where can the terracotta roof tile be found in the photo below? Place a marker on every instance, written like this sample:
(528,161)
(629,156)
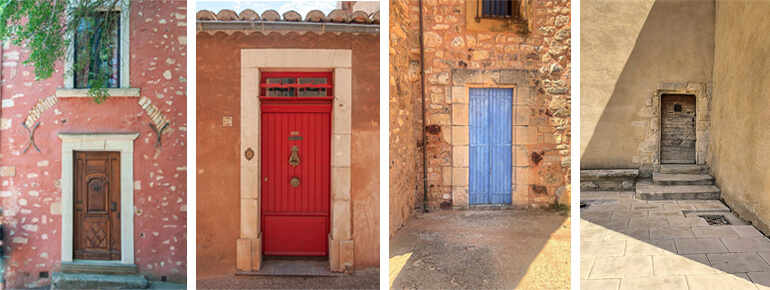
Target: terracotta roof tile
(336,16)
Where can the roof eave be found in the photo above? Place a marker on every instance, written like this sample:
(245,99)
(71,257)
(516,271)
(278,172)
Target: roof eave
(216,25)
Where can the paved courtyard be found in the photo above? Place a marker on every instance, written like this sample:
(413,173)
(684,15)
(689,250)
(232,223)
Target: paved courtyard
(627,243)
(476,249)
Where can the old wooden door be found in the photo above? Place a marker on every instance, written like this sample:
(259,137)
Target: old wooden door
(296,171)
(677,137)
(490,146)
(97,206)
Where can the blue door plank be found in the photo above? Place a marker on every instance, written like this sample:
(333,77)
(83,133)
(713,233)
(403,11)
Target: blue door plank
(490,121)
(479,147)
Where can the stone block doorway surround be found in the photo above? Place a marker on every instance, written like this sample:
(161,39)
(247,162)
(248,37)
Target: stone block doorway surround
(462,82)
(254,61)
(702,93)
(118,142)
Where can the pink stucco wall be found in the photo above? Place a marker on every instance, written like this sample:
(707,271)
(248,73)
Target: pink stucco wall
(31,198)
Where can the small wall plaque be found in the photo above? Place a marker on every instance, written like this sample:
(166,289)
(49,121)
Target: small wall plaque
(227,121)
(249,154)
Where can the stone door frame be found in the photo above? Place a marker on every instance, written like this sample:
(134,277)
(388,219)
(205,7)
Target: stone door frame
(462,81)
(120,142)
(702,93)
(253,61)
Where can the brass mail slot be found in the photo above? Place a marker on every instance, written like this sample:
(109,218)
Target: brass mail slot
(294,138)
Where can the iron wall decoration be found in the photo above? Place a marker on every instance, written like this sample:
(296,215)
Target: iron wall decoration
(32,117)
(249,154)
(161,123)
(294,158)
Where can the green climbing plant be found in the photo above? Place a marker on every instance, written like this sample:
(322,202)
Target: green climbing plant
(46,29)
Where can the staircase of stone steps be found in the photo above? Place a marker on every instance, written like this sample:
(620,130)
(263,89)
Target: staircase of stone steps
(679,182)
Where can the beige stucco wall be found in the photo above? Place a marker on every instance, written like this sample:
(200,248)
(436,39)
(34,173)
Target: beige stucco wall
(627,49)
(739,144)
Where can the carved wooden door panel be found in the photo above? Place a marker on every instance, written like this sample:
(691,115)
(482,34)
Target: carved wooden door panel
(296,175)
(677,124)
(97,206)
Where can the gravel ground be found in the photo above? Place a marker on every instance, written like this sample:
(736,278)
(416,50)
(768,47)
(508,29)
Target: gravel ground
(360,279)
(504,249)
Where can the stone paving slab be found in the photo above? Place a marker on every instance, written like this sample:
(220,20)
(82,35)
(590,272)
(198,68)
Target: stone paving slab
(696,246)
(670,282)
(621,267)
(650,244)
(675,265)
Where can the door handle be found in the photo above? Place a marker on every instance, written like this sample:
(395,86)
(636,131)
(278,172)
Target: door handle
(113,206)
(294,182)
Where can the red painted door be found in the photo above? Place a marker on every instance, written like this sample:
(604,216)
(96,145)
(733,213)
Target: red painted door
(296,166)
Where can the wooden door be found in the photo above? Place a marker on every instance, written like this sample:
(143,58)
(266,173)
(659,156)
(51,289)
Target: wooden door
(490,155)
(677,137)
(296,175)
(97,206)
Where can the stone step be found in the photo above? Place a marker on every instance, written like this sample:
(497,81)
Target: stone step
(682,179)
(677,192)
(685,169)
(60,280)
(98,267)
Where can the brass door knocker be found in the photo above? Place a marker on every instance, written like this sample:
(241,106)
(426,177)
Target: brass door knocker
(294,158)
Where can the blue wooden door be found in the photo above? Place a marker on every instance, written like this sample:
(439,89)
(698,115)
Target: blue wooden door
(490,146)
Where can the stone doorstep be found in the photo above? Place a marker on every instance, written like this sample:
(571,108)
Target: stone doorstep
(682,179)
(683,168)
(604,174)
(60,280)
(98,267)
(677,192)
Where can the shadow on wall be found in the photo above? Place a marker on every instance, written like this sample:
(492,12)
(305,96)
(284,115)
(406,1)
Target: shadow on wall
(504,249)
(625,56)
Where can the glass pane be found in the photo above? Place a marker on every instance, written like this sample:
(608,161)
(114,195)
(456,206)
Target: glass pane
(95,56)
(310,91)
(280,92)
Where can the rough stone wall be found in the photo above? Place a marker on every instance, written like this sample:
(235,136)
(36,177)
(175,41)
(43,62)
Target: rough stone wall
(403,154)
(30,194)
(218,95)
(545,56)
(739,139)
(630,51)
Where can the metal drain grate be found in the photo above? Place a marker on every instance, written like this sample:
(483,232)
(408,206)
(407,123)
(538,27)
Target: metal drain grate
(715,219)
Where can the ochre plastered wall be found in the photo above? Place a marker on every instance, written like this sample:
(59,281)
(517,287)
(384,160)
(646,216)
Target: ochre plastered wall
(218,186)
(738,149)
(404,159)
(543,54)
(31,198)
(629,50)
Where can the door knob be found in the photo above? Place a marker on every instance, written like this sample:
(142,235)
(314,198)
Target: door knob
(294,182)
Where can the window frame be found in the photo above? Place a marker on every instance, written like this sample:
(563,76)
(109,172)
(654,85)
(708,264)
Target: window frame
(124,52)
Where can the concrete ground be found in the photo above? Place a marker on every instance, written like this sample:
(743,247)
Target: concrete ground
(360,279)
(502,249)
(627,243)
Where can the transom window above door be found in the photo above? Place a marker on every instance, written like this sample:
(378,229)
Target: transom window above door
(296,84)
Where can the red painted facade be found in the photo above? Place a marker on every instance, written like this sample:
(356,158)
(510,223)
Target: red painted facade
(31,194)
